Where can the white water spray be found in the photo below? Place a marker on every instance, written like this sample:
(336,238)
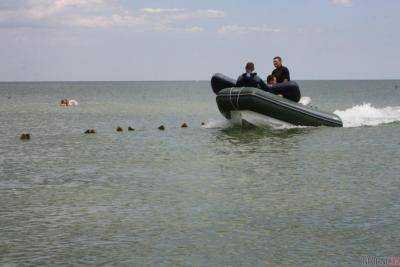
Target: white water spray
(305,100)
(368,115)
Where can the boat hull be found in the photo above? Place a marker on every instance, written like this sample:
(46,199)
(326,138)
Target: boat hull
(231,100)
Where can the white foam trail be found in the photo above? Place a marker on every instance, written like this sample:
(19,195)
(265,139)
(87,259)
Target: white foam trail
(305,100)
(367,115)
(212,124)
(260,120)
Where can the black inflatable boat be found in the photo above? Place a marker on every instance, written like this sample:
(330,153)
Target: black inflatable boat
(256,106)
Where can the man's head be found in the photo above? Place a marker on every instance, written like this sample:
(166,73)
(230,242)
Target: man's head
(249,67)
(277,62)
(271,79)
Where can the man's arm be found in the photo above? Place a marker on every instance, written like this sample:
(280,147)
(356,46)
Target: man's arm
(261,84)
(239,82)
(286,75)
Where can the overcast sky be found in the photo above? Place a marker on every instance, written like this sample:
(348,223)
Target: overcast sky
(190,40)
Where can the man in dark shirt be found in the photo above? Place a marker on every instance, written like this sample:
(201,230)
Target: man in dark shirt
(250,78)
(280,72)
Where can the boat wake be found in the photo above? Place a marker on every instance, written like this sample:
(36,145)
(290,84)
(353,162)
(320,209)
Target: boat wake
(368,115)
(249,119)
(215,124)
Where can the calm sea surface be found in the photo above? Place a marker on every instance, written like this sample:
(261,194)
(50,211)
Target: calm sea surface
(205,195)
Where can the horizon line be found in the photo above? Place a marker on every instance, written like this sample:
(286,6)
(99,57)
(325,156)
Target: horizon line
(49,81)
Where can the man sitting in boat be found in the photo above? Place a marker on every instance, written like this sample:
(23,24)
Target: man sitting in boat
(250,78)
(280,72)
(289,90)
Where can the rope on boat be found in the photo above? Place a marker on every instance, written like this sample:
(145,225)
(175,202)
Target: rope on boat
(236,107)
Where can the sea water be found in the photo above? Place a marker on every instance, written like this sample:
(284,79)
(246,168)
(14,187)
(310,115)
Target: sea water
(205,195)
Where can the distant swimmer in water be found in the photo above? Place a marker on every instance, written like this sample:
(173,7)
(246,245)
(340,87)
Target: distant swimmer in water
(250,78)
(72,102)
(64,103)
(68,103)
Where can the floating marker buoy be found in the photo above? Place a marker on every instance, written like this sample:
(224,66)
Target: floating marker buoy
(25,136)
(119,129)
(161,128)
(90,131)
(130,128)
(184,125)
